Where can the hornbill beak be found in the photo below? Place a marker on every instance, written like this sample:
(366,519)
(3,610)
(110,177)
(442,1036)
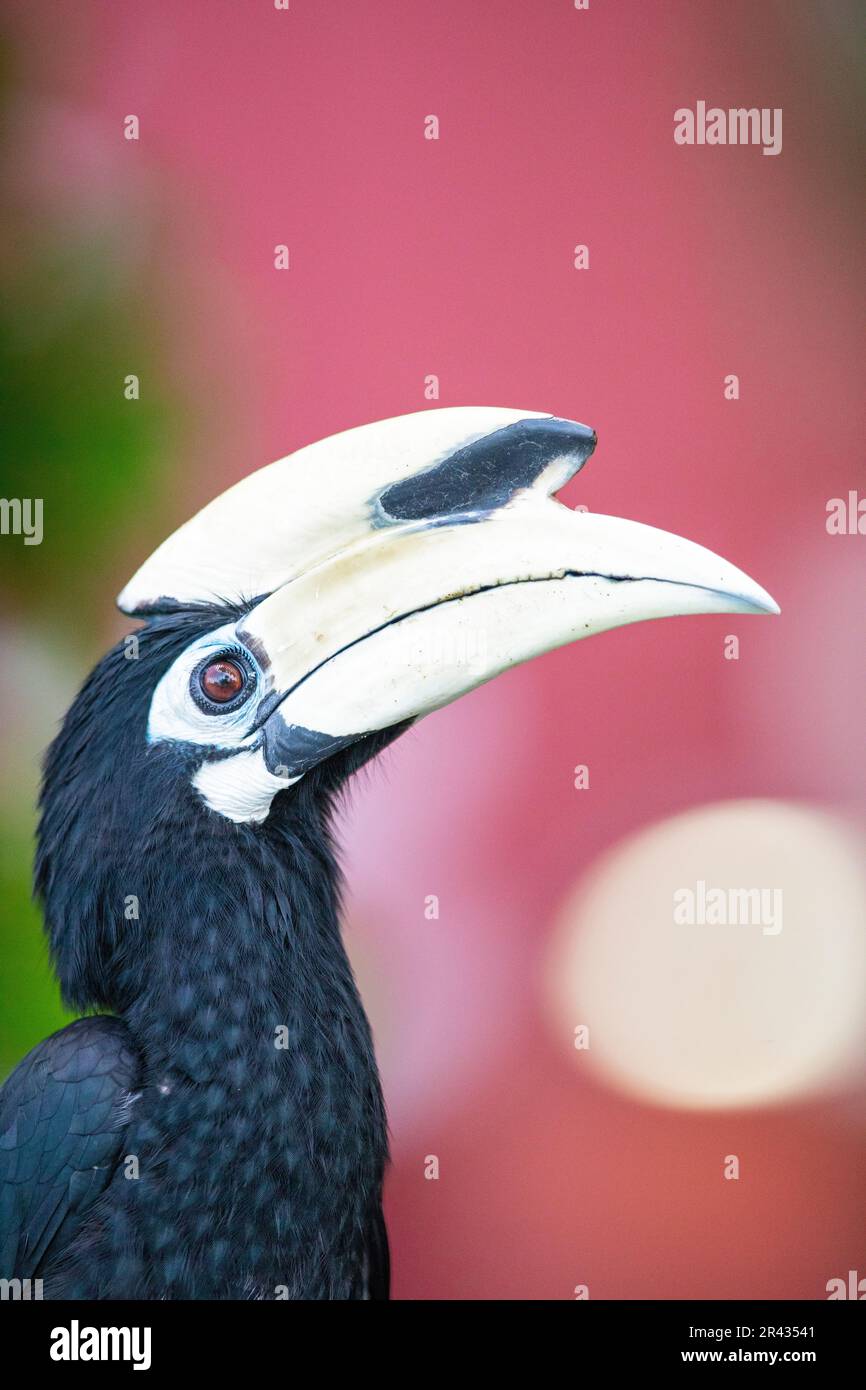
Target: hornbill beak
(396,566)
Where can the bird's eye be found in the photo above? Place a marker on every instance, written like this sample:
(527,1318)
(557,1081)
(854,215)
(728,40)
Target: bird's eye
(220,683)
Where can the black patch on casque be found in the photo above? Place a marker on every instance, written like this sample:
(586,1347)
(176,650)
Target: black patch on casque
(486,474)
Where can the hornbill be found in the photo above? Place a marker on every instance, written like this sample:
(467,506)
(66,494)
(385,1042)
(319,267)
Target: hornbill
(218,1131)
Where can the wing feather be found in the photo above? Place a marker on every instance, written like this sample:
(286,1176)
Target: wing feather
(63,1115)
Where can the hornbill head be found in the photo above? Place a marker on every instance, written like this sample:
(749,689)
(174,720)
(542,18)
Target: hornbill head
(294,627)
(385,571)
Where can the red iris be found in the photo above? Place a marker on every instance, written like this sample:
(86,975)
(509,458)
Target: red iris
(222,681)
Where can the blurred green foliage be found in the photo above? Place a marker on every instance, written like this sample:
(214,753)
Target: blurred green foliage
(69,334)
(30,1005)
(80,292)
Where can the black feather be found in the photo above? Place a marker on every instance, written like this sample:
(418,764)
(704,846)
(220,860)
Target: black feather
(253,1154)
(63,1115)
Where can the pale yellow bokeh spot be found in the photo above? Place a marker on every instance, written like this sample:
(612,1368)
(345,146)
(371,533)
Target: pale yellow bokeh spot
(704,1016)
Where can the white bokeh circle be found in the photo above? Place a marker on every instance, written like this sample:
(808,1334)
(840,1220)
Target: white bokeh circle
(724,1015)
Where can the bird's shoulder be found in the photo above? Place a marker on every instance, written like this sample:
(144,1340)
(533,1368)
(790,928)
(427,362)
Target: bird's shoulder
(63,1114)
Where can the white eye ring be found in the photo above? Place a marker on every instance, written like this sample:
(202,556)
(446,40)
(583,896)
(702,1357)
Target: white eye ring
(181,713)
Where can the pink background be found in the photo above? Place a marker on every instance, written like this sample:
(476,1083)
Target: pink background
(454,257)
